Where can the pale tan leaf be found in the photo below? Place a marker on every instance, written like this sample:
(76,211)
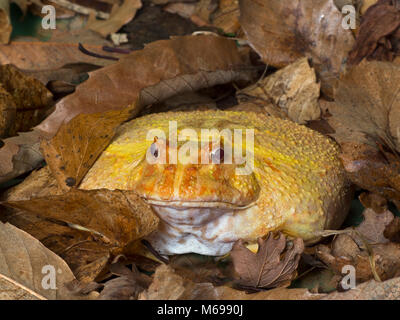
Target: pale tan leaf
(294,89)
(371,290)
(23,259)
(12,290)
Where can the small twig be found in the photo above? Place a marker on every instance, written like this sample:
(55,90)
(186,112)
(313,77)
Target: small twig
(93,54)
(116,50)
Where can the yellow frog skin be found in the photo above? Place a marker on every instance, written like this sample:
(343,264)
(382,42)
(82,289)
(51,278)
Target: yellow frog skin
(298,184)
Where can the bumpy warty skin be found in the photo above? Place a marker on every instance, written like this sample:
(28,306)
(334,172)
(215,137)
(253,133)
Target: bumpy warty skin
(298,184)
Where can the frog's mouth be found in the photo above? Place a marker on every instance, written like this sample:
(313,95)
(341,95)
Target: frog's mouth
(181,205)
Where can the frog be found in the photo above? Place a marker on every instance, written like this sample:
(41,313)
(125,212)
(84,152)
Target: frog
(283,177)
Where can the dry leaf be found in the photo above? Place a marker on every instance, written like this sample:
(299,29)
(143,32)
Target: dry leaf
(118,17)
(392,230)
(374,224)
(274,264)
(19,154)
(371,290)
(185,10)
(374,201)
(128,285)
(293,89)
(120,216)
(367,103)
(76,146)
(199,268)
(283,31)
(25,104)
(23,259)
(8,112)
(12,290)
(49,55)
(167,285)
(39,183)
(374,39)
(227,16)
(367,249)
(72,73)
(371,169)
(365,117)
(76,247)
(198,12)
(227,293)
(86,273)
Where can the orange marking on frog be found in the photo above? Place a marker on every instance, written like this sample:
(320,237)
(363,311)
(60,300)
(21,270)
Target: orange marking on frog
(189,180)
(166,185)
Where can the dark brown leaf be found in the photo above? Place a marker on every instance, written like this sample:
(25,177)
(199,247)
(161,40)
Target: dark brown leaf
(127,286)
(274,264)
(379,23)
(392,230)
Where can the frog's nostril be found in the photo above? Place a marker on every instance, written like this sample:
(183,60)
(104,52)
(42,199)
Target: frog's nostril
(217,156)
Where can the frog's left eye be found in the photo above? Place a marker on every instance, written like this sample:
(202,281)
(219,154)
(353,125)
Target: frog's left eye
(217,155)
(154,150)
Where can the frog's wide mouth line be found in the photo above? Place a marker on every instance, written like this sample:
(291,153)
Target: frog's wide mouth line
(198,204)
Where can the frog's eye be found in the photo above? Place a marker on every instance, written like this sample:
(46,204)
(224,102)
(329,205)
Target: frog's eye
(154,150)
(217,155)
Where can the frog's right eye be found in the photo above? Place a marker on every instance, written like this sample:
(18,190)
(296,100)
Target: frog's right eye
(154,150)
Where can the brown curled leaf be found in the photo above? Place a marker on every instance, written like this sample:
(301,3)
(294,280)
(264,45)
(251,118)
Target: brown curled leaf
(379,33)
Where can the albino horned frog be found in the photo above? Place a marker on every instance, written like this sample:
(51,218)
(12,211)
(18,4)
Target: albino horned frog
(291,180)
